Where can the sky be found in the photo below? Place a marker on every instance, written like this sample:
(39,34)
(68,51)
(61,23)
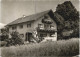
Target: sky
(14,9)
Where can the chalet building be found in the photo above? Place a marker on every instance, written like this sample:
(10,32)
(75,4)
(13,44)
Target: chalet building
(41,26)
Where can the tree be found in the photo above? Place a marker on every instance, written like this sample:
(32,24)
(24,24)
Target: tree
(4,34)
(71,19)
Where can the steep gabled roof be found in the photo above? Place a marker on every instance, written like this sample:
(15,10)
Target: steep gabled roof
(29,18)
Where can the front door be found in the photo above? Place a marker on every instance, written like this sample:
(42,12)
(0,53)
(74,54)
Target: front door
(28,36)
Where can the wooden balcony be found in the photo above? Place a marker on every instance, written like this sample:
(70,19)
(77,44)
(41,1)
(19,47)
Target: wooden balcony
(47,21)
(46,30)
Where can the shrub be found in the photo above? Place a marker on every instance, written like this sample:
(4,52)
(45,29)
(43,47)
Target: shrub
(14,40)
(3,37)
(3,43)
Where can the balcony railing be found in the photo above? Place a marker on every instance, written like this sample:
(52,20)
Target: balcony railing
(47,21)
(46,30)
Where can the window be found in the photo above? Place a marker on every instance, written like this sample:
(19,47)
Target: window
(52,27)
(46,26)
(21,35)
(48,39)
(52,35)
(43,35)
(40,25)
(29,25)
(21,26)
(14,27)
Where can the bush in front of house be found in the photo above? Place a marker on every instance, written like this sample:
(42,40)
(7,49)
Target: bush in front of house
(3,37)
(15,39)
(3,43)
(59,48)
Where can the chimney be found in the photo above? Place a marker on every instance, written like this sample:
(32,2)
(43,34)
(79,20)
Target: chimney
(24,15)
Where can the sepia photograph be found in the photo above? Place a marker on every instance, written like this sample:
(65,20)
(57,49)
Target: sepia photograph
(39,28)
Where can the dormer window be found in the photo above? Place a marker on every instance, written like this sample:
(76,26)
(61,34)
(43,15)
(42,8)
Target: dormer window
(14,27)
(21,26)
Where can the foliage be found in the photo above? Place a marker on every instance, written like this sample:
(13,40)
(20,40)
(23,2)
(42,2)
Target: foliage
(3,37)
(71,19)
(3,43)
(67,11)
(59,48)
(15,39)
(4,34)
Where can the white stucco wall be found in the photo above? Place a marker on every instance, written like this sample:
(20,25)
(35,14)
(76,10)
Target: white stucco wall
(23,30)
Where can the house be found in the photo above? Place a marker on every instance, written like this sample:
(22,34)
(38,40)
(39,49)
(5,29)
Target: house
(41,26)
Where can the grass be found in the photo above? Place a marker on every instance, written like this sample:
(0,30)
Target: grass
(59,48)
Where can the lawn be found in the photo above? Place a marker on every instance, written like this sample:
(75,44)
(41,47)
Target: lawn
(58,48)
